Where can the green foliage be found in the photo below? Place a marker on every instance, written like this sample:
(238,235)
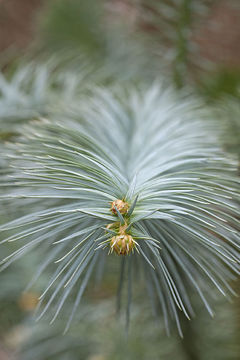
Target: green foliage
(165,32)
(141,37)
(118,144)
(73,24)
(228,112)
(220,84)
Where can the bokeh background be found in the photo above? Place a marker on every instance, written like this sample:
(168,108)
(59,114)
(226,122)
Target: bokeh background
(195,45)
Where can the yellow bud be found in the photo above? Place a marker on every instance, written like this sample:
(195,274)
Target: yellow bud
(122,244)
(121,205)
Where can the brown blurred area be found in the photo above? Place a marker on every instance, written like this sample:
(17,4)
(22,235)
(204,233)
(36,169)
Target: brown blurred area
(217,36)
(17,22)
(4,355)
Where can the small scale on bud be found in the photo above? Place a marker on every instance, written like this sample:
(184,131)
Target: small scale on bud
(112,226)
(121,205)
(122,244)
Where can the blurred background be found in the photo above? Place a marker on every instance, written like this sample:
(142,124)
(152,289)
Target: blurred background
(194,45)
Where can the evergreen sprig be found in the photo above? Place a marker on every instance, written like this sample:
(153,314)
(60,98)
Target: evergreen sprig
(151,149)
